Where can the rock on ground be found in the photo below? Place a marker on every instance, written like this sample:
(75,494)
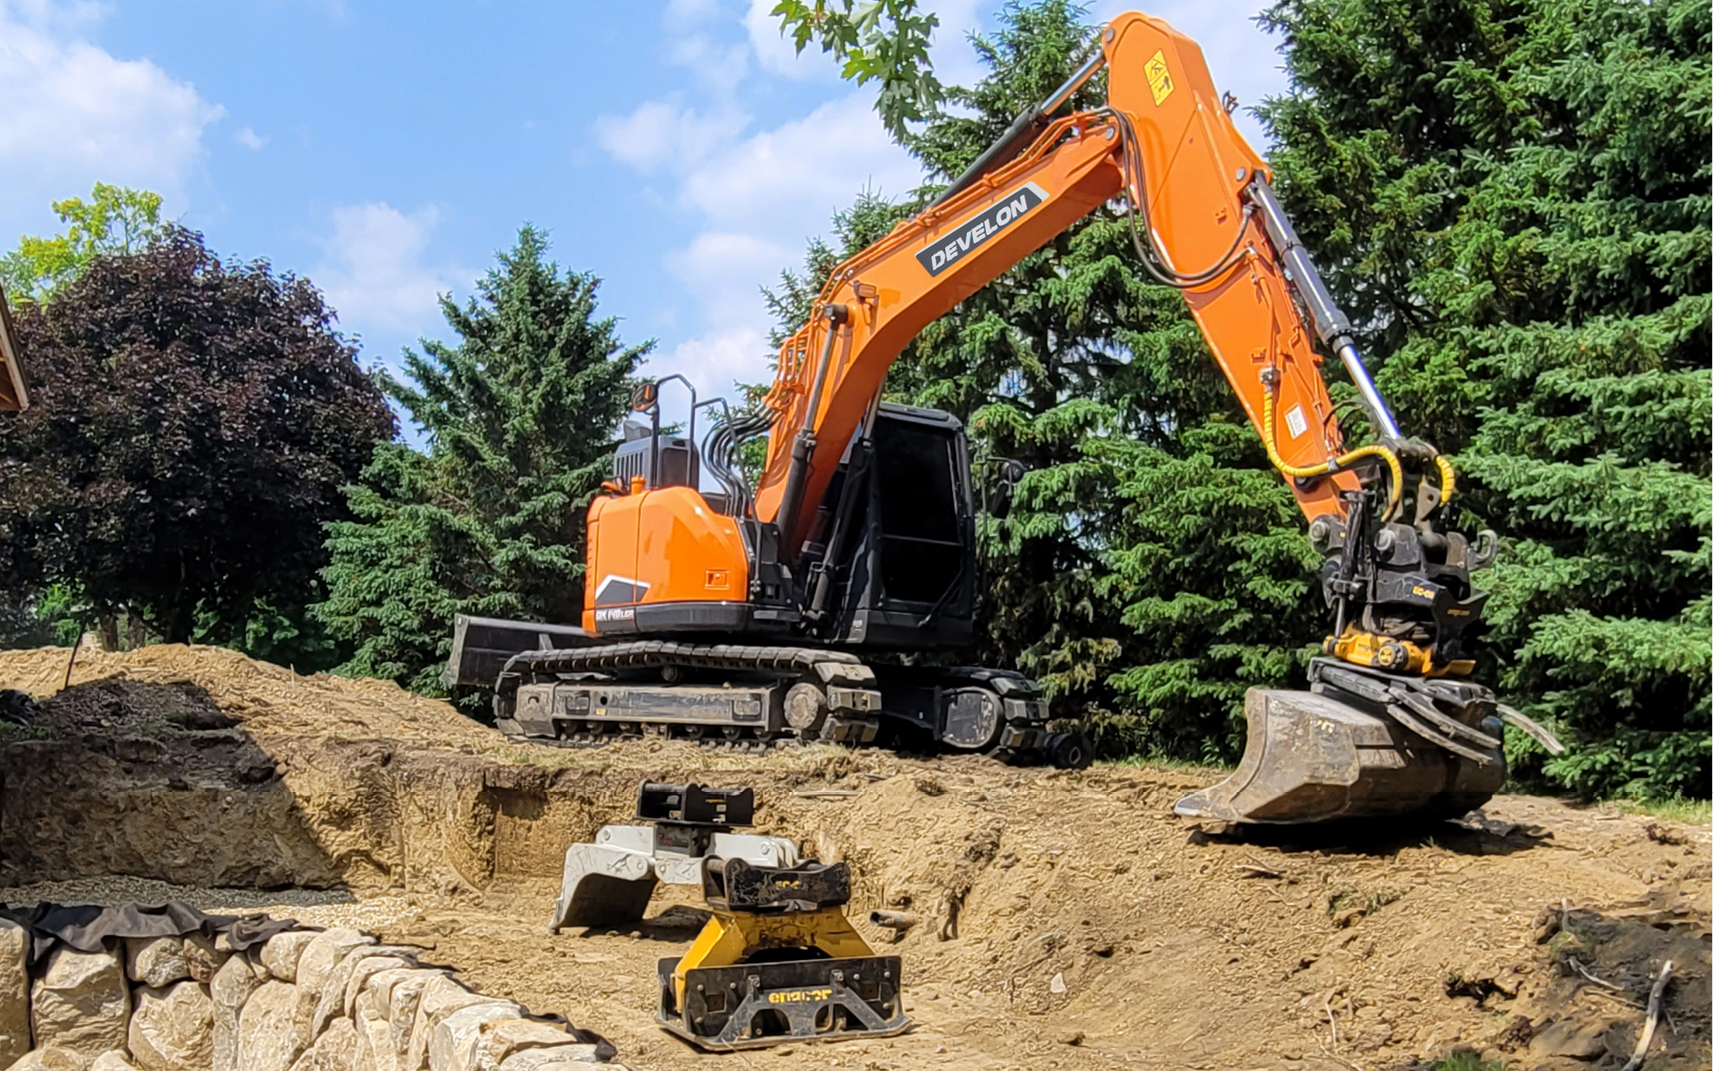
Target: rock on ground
(202,958)
(334,1050)
(112,1061)
(457,1039)
(81,1003)
(172,1029)
(501,1038)
(441,996)
(267,1029)
(14,993)
(282,952)
(156,961)
(232,986)
(52,1058)
(561,1058)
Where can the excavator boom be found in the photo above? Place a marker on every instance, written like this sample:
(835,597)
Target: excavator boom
(1164,142)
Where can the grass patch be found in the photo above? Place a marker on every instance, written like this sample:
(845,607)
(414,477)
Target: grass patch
(1160,762)
(1689,812)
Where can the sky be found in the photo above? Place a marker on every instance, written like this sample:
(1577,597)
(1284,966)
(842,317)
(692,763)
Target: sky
(678,149)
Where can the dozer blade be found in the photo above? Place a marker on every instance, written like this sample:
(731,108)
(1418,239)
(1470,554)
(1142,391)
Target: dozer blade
(1312,758)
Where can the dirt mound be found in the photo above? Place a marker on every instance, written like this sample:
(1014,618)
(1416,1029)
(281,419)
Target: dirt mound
(1070,920)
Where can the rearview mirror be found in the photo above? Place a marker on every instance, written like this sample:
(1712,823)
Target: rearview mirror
(1006,478)
(643,396)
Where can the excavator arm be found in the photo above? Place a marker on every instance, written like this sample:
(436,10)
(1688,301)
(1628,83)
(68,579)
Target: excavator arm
(1201,204)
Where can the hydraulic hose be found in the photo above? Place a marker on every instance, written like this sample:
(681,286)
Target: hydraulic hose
(1447,479)
(1298,472)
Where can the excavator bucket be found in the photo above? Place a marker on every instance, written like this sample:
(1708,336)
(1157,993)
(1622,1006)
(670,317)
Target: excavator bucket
(1360,745)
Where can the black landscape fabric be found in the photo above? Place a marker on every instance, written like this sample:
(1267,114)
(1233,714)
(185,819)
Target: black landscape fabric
(86,927)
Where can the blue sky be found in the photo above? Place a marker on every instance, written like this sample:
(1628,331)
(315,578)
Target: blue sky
(385,150)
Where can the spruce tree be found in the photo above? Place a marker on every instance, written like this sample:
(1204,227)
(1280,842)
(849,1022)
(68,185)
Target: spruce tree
(519,417)
(1511,196)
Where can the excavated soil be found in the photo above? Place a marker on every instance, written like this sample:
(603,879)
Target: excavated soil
(1069,920)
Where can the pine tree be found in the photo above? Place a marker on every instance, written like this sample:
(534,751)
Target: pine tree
(519,417)
(1512,197)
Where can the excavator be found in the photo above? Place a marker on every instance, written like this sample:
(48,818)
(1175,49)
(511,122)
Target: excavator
(817,604)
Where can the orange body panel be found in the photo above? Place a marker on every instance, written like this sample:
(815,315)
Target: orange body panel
(1195,165)
(659,546)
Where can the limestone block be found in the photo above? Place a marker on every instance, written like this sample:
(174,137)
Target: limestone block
(330,1002)
(172,1029)
(323,953)
(283,950)
(51,1058)
(361,971)
(14,992)
(402,1003)
(156,961)
(559,1058)
(334,1050)
(502,1037)
(81,1003)
(232,986)
(441,996)
(202,957)
(267,1029)
(112,1061)
(375,1050)
(457,1038)
(380,987)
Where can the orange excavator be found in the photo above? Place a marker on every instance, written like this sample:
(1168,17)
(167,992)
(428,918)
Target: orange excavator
(799,609)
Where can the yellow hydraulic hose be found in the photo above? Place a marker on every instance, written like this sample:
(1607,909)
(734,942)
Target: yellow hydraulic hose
(1447,479)
(1343,461)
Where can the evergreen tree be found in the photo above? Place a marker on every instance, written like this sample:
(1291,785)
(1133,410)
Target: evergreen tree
(519,417)
(1511,196)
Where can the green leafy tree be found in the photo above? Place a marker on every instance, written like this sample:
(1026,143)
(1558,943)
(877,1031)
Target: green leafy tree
(1511,196)
(884,41)
(193,422)
(115,220)
(519,416)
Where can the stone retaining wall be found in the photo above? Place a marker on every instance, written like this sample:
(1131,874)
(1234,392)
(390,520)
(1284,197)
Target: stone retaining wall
(304,1001)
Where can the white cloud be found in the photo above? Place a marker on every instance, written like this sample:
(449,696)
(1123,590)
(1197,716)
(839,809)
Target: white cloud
(74,114)
(662,132)
(757,202)
(374,272)
(249,138)
(790,180)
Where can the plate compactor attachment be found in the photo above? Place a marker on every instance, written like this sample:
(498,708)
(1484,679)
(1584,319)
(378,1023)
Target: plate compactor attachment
(1364,743)
(778,961)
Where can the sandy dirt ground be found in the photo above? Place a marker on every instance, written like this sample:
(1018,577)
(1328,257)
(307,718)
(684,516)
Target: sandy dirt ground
(1069,920)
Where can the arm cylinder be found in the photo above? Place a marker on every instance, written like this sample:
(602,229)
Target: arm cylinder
(1329,320)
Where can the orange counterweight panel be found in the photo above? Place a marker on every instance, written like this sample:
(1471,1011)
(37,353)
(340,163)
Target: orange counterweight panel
(664,546)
